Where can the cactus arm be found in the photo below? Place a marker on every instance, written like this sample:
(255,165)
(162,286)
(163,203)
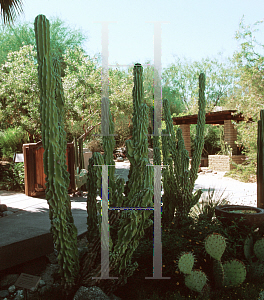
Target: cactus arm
(199,138)
(260,162)
(179,180)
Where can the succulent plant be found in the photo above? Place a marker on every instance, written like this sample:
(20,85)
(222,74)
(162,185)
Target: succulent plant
(138,192)
(255,268)
(54,158)
(227,274)
(178,179)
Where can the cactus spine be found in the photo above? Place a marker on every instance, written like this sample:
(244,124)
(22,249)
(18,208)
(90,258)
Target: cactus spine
(260,162)
(54,160)
(179,181)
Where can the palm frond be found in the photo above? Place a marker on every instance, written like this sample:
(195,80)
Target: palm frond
(9,9)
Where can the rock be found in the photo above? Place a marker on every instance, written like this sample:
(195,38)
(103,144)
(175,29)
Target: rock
(93,292)
(8,280)
(3,207)
(41,283)
(48,274)
(11,289)
(7,213)
(4,293)
(43,290)
(19,295)
(52,257)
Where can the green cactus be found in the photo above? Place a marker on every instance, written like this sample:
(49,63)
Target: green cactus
(196,280)
(179,179)
(260,157)
(235,272)
(256,268)
(228,274)
(259,249)
(54,159)
(186,262)
(215,245)
(129,225)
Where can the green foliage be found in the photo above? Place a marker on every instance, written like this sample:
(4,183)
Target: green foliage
(12,177)
(212,139)
(62,37)
(205,208)
(181,76)
(11,141)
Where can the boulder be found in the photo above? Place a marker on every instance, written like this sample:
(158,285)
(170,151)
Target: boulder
(3,207)
(93,292)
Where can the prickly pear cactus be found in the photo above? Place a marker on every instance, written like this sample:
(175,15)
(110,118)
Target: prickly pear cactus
(196,280)
(227,274)
(54,160)
(256,268)
(215,245)
(235,273)
(179,179)
(186,262)
(259,249)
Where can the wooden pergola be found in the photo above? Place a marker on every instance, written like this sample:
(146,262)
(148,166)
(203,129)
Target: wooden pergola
(223,117)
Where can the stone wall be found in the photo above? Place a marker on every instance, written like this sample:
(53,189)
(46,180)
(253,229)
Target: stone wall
(222,162)
(230,135)
(186,136)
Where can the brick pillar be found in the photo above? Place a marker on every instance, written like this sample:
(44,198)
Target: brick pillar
(230,135)
(186,136)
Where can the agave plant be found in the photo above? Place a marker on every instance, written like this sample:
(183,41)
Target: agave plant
(209,200)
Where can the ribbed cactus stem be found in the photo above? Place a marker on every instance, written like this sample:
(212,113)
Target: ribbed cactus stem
(54,160)
(199,138)
(139,193)
(260,162)
(178,179)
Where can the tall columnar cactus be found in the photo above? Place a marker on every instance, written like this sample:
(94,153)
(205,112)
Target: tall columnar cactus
(260,162)
(130,224)
(179,179)
(227,274)
(54,143)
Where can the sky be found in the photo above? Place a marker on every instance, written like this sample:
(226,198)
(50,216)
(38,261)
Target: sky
(193,29)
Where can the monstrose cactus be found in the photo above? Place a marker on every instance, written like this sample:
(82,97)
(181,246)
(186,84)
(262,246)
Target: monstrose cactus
(128,225)
(54,159)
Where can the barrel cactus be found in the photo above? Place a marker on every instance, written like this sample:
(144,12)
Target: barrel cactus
(178,178)
(54,159)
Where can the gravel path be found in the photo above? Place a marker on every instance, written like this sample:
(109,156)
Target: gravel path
(239,193)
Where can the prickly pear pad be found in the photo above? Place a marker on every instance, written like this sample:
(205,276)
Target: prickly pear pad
(186,262)
(196,280)
(259,249)
(215,245)
(235,273)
